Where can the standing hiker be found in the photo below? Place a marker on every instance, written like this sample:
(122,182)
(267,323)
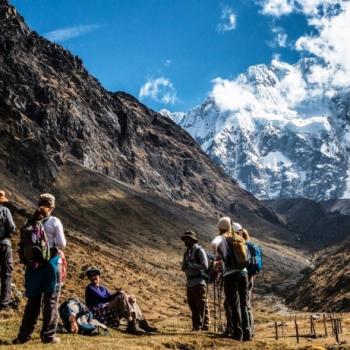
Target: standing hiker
(245,235)
(42,237)
(231,255)
(195,266)
(109,308)
(7,227)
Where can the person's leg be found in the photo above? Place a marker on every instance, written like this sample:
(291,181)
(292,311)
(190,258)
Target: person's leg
(243,301)
(6,267)
(228,314)
(231,293)
(121,306)
(191,299)
(135,307)
(50,310)
(200,297)
(30,318)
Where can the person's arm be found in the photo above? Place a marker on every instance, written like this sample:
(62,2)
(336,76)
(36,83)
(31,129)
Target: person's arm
(10,225)
(184,263)
(60,238)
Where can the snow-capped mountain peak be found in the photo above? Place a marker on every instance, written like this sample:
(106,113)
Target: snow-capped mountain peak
(272,131)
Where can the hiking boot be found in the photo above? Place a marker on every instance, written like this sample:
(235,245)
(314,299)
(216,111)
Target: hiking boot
(147,327)
(133,328)
(54,340)
(205,328)
(18,340)
(227,333)
(10,306)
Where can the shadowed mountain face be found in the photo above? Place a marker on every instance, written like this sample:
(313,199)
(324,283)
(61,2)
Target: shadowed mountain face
(316,224)
(327,286)
(52,109)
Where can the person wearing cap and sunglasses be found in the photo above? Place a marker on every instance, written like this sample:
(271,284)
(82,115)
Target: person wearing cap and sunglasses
(109,308)
(194,265)
(43,282)
(7,227)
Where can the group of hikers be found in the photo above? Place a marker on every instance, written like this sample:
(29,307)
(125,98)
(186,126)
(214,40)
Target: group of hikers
(233,266)
(40,249)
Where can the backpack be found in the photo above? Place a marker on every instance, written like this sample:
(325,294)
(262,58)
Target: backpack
(34,247)
(255,258)
(209,272)
(87,325)
(3,223)
(237,255)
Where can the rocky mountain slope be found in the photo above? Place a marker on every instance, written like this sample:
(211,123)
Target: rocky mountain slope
(275,133)
(327,286)
(317,224)
(52,110)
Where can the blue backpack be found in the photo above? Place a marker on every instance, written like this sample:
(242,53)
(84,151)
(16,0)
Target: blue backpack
(255,259)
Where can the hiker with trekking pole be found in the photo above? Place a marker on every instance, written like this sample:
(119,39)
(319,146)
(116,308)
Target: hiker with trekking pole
(231,255)
(195,266)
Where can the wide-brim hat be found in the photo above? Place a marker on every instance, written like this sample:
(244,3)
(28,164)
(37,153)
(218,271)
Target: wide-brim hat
(191,235)
(3,198)
(92,270)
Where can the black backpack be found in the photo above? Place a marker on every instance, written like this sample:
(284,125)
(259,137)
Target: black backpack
(86,323)
(208,273)
(3,223)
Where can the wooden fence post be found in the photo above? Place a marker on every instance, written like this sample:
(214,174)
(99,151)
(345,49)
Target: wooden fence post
(296,330)
(276,329)
(325,325)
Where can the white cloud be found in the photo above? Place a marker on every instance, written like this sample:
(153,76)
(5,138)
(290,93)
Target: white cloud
(277,7)
(280,37)
(160,90)
(230,95)
(63,34)
(332,46)
(228,20)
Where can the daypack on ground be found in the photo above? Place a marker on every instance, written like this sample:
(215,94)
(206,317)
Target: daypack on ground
(34,247)
(255,258)
(237,254)
(86,323)
(209,273)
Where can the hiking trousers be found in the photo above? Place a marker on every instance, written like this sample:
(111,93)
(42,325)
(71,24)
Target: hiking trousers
(125,306)
(49,303)
(6,267)
(236,295)
(198,302)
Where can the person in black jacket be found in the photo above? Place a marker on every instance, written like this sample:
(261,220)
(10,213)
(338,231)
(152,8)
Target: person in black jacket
(7,227)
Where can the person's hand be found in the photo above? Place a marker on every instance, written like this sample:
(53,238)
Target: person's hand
(132,299)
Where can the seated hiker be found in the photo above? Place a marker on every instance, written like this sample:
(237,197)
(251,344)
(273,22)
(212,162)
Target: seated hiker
(109,308)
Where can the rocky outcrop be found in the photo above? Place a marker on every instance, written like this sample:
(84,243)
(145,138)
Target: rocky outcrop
(52,110)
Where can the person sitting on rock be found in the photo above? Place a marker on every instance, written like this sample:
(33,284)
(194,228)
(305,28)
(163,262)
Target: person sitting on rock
(109,308)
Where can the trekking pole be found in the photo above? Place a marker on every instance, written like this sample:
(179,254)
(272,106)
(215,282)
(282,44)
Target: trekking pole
(296,329)
(214,284)
(220,326)
(205,304)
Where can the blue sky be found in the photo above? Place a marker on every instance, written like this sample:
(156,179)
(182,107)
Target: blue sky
(172,48)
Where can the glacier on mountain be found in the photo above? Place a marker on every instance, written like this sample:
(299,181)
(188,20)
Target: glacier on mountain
(276,132)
